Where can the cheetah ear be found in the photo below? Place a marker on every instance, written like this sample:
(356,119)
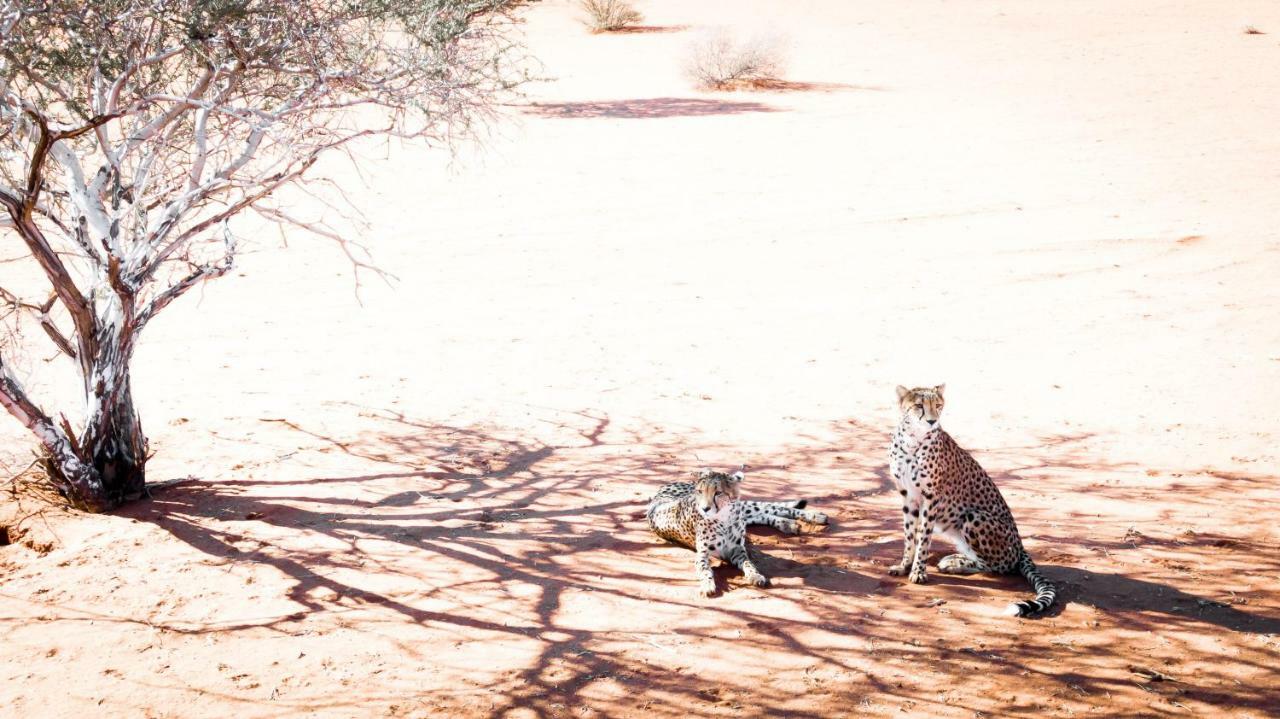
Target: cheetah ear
(738,476)
(940,388)
(902,393)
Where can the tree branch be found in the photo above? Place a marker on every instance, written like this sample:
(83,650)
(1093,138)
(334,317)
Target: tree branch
(266,187)
(41,313)
(63,284)
(204,273)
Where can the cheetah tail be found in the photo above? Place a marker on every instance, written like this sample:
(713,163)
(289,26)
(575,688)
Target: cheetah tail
(799,504)
(1045,592)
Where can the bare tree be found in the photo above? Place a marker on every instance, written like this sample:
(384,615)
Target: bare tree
(133,131)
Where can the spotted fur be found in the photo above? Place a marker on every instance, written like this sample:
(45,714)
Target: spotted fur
(946,492)
(709,517)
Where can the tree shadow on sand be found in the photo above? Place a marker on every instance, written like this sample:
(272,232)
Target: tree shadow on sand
(481,508)
(467,529)
(773,84)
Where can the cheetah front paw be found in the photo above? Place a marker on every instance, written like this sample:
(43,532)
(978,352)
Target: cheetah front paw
(790,526)
(758,580)
(898,570)
(707,587)
(918,577)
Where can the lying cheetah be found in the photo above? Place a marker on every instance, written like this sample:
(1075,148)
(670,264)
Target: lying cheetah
(708,517)
(946,492)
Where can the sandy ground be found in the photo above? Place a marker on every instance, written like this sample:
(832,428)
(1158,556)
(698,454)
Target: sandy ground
(431,503)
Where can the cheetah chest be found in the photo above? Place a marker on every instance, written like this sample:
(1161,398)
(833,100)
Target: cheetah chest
(723,531)
(905,466)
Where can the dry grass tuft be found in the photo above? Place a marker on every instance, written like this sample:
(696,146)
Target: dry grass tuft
(719,62)
(609,15)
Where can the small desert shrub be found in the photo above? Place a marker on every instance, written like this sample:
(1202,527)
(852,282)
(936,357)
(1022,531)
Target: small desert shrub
(719,61)
(609,15)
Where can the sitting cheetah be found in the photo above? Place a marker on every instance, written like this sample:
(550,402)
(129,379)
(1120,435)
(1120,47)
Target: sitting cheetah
(946,492)
(708,517)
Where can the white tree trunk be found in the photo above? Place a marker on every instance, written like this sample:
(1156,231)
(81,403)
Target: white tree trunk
(112,442)
(114,445)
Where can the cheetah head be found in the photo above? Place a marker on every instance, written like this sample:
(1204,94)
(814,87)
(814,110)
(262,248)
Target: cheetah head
(922,407)
(716,491)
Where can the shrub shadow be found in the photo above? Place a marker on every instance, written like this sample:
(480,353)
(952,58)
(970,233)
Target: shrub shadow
(646,108)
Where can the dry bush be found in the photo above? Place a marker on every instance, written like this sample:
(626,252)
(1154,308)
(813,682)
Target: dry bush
(609,15)
(719,61)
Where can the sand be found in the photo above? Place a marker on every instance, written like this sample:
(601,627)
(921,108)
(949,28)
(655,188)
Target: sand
(429,501)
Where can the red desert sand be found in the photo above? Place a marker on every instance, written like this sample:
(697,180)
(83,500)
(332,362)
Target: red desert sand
(430,502)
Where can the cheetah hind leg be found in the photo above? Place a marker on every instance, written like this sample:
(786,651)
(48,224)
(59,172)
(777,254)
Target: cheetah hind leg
(965,561)
(796,510)
(782,515)
(769,514)
(960,564)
